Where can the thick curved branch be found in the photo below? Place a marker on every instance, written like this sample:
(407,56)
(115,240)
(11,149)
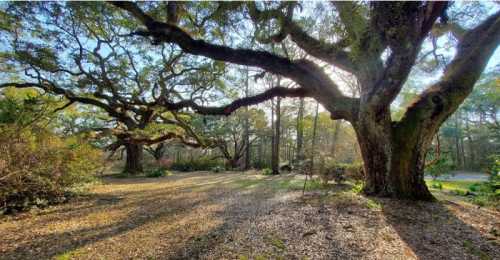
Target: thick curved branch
(439,101)
(327,52)
(307,74)
(405,46)
(50,88)
(242,102)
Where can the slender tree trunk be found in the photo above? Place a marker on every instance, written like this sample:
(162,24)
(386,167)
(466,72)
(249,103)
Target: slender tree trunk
(470,143)
(276,144)
(134,158)
(457,144)
(159,151)
(313,148)
(336,130)
(260,151)
(300,131)
(247,129)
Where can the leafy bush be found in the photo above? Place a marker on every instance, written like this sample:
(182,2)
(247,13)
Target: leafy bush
(439,167)
(357,188)
(200,164)
(354,171)
(218,169)
(488,193)
(38,168)
(158,172)
(437,185)
(460,192)
(339,172)
(267,171)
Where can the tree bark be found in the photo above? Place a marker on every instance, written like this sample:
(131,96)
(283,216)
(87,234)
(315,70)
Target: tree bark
(336,129)
(300,131)
(315,126)
(276,144)
(134,158)
(394,160)
(374,136)
(247,129)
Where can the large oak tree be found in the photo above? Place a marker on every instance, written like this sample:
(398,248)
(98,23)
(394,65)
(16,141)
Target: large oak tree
(77,51)
(378,43)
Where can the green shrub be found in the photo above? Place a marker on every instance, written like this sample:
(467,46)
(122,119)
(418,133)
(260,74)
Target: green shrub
(158,172)
(37,168)
(439,167)
(339,172)
(437,185)
(460,192)
(267,171)
(357,188)
(200,164)
(218,169)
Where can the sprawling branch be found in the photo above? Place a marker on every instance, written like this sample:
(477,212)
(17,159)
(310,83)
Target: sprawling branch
(330,53)
(405,39)
(439,101)
(51,88)
(125,137)
(233,106)
(307,74)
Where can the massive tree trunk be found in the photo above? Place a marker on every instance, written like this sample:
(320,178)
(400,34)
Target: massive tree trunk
(406,175)
(133,163)
(374,136)
(394,159)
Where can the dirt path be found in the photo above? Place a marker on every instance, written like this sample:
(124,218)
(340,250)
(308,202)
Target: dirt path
(246,216)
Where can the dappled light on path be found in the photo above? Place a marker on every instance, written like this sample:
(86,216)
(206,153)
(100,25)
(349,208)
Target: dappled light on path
(245,215)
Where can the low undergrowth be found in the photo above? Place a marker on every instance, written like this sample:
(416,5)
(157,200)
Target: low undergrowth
(480,193)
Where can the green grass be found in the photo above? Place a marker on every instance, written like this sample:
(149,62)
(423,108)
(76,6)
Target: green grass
(278,183)
(371,204)
(66,256)
(475,251)
(483,195)
(451,185)
(275,241)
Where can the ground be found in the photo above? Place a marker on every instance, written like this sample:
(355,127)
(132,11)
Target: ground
(231,215)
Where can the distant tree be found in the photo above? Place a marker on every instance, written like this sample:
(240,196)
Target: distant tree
(76,51)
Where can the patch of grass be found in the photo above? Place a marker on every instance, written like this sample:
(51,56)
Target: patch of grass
(66,256)
(357,188)
(267,172)
(275,241)
(475,251)
(372,204)
(437,185)
(244,183)
(479,193)
(450,185)
(279,183)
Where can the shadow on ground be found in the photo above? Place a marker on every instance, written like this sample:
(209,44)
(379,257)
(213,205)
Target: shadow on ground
(237,215)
